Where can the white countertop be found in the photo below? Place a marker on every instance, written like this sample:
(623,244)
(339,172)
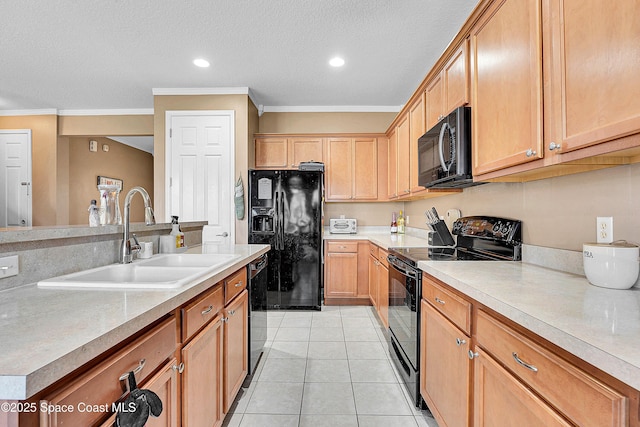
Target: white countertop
(600,326)
(384,240)
(46,333)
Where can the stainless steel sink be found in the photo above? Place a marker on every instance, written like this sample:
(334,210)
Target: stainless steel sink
(160,272)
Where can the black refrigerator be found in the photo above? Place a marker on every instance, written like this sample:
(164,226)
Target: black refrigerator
(285,211)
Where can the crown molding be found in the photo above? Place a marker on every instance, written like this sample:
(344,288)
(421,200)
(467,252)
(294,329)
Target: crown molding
(333,109)
(108,112)
(40,112)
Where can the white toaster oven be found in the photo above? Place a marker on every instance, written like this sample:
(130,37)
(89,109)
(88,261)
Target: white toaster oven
(343,226)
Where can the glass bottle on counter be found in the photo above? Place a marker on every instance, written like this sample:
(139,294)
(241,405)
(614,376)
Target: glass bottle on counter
(400,223)
(394,223)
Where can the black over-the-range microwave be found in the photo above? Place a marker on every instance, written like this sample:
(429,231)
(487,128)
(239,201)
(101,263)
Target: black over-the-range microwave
(444,152)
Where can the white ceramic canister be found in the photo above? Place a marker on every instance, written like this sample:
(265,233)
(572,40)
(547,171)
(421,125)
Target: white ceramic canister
(611,265)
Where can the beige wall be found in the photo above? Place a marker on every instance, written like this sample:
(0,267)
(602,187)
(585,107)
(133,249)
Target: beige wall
(44,134)
(116,125)
(243,108)
(134,167)
(325,122)
(367,214)
(556,212)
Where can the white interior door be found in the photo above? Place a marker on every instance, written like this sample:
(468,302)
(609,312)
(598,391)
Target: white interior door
(200,168)
(15,178)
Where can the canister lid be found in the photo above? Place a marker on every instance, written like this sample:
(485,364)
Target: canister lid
(616,244)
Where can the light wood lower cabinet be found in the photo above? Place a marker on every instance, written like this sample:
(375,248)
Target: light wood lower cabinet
(236,350)
(517,378)
(500,400)
(202,401)
(346,272)
(445,368)
(379,282)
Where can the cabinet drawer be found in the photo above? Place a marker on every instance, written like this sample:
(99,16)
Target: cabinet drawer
(201,311)
(455,308)
(102,384)
(235,284)
(382,257)
(582,398)
(342,247)
(373,250)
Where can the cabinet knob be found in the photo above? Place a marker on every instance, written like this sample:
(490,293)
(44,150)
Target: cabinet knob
(473,355)
(179,368)
(554,146)
(531,153)
(460,342)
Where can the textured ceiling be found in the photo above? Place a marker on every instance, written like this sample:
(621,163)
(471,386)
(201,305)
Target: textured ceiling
(97,54)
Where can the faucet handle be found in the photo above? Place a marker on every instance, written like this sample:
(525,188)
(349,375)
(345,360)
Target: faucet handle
(136,246)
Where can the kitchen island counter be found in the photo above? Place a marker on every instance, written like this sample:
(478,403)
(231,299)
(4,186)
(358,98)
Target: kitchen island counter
(47,333)
(600,326)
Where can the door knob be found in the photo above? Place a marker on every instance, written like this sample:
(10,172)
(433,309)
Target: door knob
(225,234)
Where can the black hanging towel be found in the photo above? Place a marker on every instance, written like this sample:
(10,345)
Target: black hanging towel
(138,406)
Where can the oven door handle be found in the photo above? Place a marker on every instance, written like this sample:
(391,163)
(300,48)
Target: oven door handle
(397,264)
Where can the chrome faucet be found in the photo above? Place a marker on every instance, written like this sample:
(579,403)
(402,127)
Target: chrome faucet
(127,249)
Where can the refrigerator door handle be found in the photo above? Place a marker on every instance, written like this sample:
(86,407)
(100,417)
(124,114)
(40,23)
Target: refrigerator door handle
(281,220)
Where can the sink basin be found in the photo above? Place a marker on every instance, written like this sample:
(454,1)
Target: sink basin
(161,272)
(188,260)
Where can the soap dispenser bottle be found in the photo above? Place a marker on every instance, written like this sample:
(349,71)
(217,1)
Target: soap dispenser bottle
(177,233)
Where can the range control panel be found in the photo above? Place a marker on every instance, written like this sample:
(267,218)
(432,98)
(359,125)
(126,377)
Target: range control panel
(488,227)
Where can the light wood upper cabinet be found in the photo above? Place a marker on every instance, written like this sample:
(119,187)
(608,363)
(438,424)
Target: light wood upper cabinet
(304,150)
(416,130)
(449,89)
(403,171)
(392,157)
(271,153)
(595,71)
(351,169)
(287,152)
(506,48)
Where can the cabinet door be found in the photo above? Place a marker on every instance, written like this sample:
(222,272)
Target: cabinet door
(271,153)
(340,280)
(165,385)
(416,130)
(392,163)
(373,280)
(383,294)
(596,71)
(202,378)
(236,351)
(507,86)
(445,379)
(304,150)
(339,159)
(456,79)
(403,185)
(365,169)
(500,400)
(433,103)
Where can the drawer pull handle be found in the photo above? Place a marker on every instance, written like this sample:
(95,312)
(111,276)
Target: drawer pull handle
(460,342)
(237,285)
(179,368)
(439,301)
(522,363)
(207,310)
(135,371)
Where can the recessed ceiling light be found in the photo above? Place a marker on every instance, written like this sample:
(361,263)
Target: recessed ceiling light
(202,63)
(336,62)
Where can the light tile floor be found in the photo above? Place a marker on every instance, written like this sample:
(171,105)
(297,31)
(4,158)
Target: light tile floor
(326,368)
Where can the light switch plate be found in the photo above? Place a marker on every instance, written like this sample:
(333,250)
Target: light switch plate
(9,266)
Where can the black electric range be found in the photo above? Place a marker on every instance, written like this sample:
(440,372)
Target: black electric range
(479,238)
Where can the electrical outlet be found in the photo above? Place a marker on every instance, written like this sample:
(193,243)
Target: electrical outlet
(9,266)
(604,229)
(406,220)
